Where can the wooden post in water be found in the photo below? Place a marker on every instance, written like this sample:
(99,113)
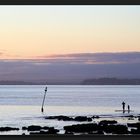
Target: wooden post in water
(42,110)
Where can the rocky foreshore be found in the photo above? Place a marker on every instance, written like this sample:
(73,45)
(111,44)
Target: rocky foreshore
(87,126)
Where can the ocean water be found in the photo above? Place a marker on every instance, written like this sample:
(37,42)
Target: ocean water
(20,105)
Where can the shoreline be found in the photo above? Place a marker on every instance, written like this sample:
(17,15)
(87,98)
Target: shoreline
(83,125)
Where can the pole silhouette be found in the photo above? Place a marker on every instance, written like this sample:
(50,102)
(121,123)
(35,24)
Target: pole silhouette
(42,109)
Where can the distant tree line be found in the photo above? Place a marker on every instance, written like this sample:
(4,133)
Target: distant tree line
(97,81)
(111,81)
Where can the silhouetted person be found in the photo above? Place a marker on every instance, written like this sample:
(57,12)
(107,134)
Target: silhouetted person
(128,108)
(123,105)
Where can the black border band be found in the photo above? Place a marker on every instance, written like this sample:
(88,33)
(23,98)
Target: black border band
(69,2)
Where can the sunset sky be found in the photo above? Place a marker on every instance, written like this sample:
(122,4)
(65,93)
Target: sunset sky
(69,43)
(40,31)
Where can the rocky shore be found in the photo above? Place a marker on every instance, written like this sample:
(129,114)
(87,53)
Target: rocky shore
(87,125)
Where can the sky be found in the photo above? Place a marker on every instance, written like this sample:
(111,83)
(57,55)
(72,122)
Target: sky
(34,31)
(69,43)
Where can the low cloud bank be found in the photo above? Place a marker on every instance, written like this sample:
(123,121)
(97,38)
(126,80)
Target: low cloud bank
(72,67)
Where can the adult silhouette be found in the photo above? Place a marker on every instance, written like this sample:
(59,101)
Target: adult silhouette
(123,106)
(128,108)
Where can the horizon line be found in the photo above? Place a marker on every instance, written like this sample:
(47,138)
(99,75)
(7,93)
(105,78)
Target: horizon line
(44,57)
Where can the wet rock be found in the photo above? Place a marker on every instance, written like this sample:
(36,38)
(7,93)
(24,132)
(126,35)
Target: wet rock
(45,128)
(135,131)
(8,129)
(104,122)
(89,119)
(100,132)
(64,118)
(81,128)
(32,128)
(102,127)
(51,117)
(82,118)
(131,116)
(116,129)
(35,128)
(24,128)
(137,125)
(52,131)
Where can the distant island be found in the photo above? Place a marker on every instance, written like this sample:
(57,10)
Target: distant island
(111,81)
(93,81)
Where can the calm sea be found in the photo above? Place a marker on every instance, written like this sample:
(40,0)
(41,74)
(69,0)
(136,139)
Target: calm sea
(20,105)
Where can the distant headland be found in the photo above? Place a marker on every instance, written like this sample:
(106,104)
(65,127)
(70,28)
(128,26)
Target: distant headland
(92,81)
(111,81)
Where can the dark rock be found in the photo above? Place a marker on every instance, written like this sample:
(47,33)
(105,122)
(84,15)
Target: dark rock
(102,127)
(52,131)
(131,116)
(51,117)
(137,125)
(82,118)
(81,128)
(90,133)
(89,119)
(99,132)
(97,129)
(135,131)
(33,128)
(116,129)
(24,128)
(8,128)
(64,118)
(45,128)
(104,122)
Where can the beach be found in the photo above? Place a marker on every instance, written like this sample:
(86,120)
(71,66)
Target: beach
(124,124)
(65,106)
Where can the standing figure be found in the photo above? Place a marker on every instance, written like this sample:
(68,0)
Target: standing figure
(128,108)
(123,105)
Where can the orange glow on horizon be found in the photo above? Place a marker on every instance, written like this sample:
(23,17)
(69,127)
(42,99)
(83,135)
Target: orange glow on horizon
(39,32)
